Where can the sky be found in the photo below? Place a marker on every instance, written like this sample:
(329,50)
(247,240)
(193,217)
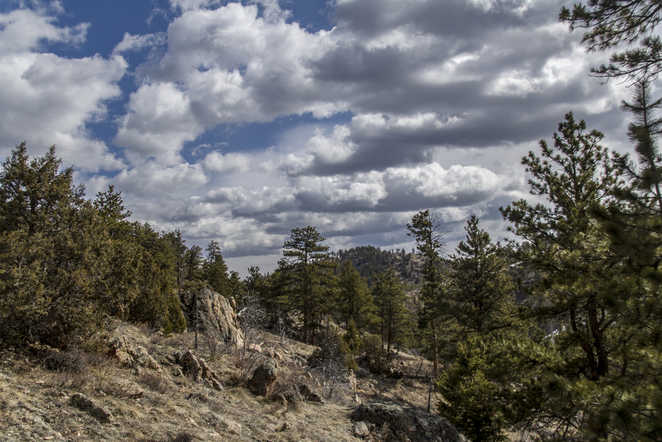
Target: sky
(237,121)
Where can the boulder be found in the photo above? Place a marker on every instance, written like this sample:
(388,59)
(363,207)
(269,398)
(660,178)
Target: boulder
(215,314)
(263,378)
(131,354)
(197,369)
(401,423)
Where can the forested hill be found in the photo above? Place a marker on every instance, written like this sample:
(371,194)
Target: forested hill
(371,261)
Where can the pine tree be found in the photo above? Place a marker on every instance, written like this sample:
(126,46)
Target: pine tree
(482,315)
(214,270)
(389,297)
(583,286)
(480,292)
(610,24)
(429,246)
(354,301)
(308,268)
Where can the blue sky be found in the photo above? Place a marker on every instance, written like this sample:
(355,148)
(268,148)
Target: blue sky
(237,121)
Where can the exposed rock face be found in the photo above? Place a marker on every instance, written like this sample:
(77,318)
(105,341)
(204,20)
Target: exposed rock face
(86,404)
(198,369)
(216,316)
(263,377)
(398,423)
(131,354)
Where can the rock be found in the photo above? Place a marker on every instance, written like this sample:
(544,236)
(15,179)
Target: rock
(132,355)
(216,316)
(263,378)
(190,365)
(86,404)
(405,423)
(361,429)
(309,395)
(197,369)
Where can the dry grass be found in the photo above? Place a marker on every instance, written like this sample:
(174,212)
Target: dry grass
(154,382)
(150,405)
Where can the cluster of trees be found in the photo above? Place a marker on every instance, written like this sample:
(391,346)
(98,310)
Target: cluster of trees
(68,264)
(371,261)
(587,258)
(559,331)
(313,291)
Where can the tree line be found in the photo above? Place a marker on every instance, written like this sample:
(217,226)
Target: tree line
(558,331)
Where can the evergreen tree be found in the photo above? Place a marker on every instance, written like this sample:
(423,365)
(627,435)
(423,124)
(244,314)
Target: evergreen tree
(193,271)
(583,286)
(52,254)
(429,246)
(354,302)
(480,292)
(389,297)
(215,271)
(613,23)
(479,301)
(308,268)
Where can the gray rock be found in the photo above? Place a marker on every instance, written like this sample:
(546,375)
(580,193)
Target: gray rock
(131,354)
(215,316)
(190,365)
(197,369)
(86,404)
(406,423)
(263,378)
(361,429)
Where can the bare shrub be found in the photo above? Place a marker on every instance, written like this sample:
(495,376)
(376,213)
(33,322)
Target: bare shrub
(215,347)
(329,365)
(251,318)
(374,358)
(154,382)
(70,361)
(245,362)
(286,387)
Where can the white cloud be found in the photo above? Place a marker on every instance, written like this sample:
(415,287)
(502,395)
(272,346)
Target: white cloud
(47,99)
(137,42)
(23,30)
(159,122)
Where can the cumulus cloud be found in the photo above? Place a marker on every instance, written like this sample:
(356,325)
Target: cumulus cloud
(160,120)
(137,42)
(439,100)
(47,99)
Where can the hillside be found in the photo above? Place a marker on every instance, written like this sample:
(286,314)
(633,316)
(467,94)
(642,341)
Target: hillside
(370,261)
(135,389)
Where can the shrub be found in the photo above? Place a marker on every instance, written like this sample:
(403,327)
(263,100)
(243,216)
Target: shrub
(71,361)
(154,382)
(375,358)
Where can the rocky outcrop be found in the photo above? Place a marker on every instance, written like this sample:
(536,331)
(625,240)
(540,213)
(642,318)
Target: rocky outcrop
(263,378)
(215,316)
(197,369)
(395,422)
(131,354)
